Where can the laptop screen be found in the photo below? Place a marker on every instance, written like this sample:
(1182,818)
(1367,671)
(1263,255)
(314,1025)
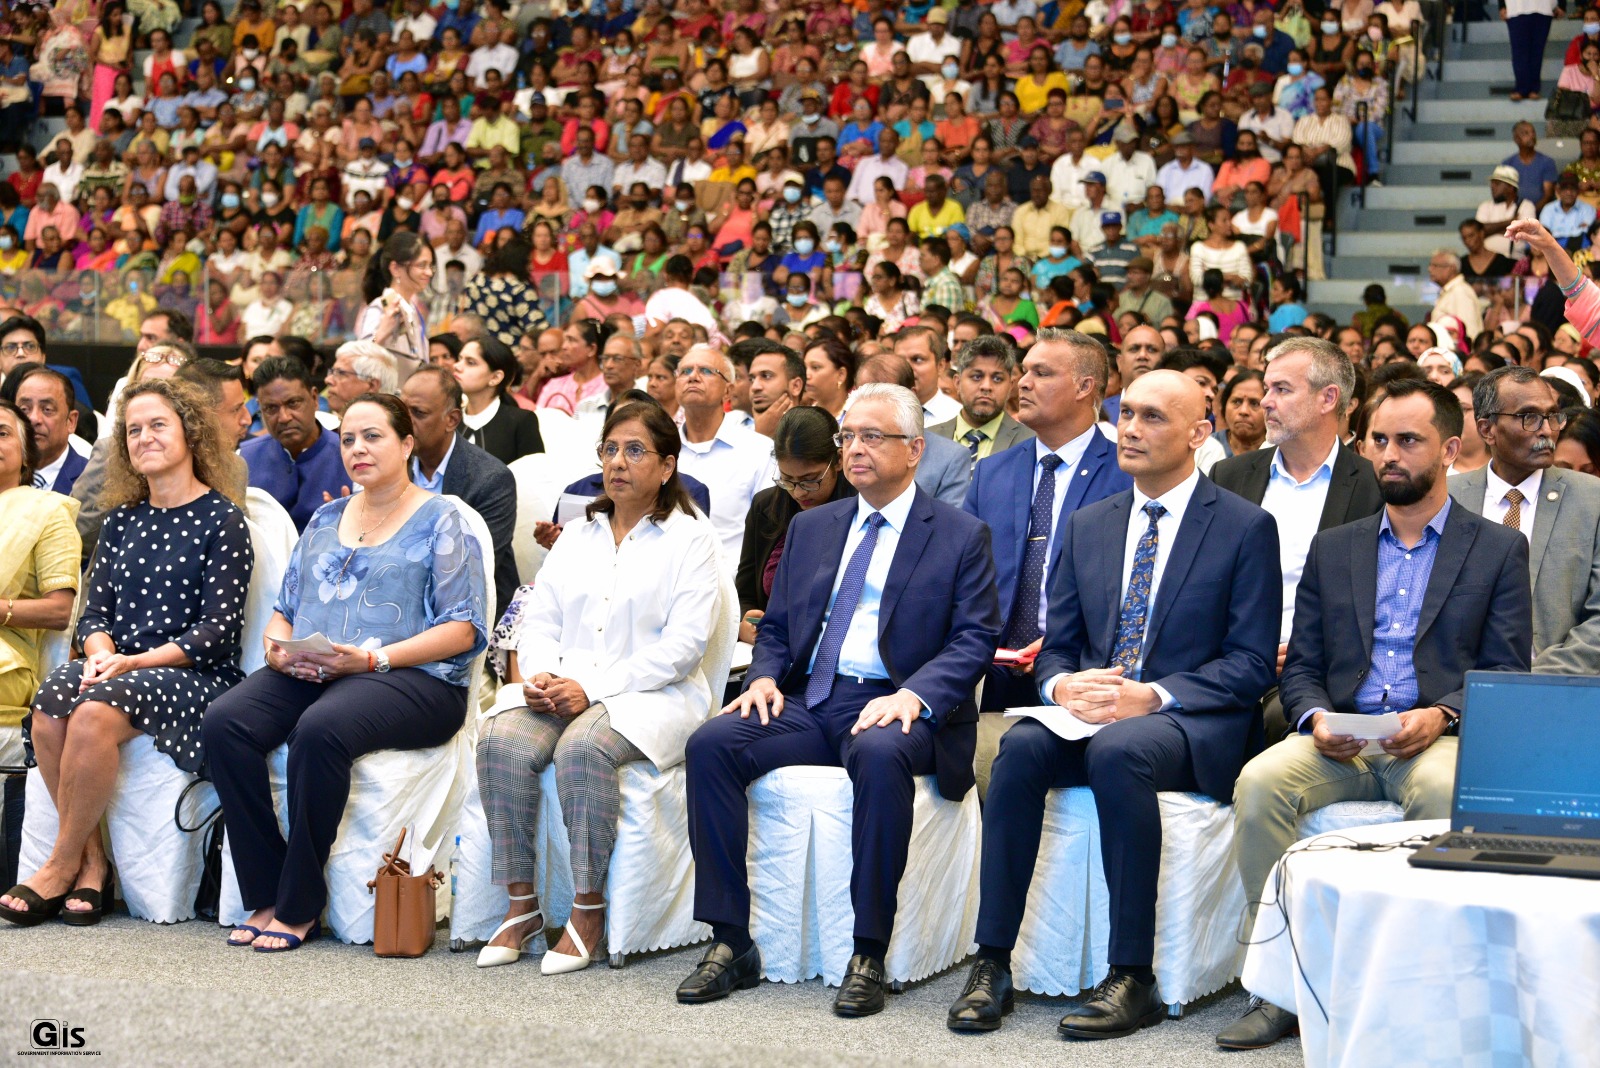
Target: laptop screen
(1527,762)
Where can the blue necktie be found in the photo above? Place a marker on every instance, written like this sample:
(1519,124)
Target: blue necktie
(1136,605)
(974,440)
(820,685)
(1024,626)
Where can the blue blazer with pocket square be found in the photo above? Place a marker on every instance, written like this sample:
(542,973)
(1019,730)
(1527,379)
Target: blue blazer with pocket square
(938,624)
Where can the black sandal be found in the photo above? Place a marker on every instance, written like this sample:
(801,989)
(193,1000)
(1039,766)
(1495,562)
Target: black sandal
(39,909)
(96,900)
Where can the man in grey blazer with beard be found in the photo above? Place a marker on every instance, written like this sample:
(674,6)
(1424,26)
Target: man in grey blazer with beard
(1519,417)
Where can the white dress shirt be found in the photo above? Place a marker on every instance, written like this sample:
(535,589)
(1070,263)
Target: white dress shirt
(1127,180)
(941,408)
(630,624)
(1297,508)
(1066,179)
(1175,180)
(1071,455)
(1495,505)
(1176,502)
(735,464)
(860,656)
(869,170)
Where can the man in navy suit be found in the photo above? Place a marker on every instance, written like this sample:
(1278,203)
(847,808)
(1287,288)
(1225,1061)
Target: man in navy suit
(1068,465)
(1163,634)
(882,620)
(44,396)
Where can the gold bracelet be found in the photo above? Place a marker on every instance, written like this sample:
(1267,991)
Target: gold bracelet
(10,607)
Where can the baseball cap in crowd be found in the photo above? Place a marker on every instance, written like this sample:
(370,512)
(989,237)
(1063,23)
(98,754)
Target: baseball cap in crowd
(366,142)
(1507,174)
(1142,263)
(1111,218)
(1028,142)
(600,265)
(1094,177)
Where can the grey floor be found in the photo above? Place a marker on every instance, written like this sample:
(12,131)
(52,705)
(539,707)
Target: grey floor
(156,996)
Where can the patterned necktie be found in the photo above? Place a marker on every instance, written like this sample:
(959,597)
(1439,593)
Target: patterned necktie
(974,440)
(38,481)
(1136,605)
(820,685)
(1514,499)
(1024,626)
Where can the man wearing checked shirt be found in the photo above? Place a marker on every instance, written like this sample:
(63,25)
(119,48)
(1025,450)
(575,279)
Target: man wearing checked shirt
(1391,613)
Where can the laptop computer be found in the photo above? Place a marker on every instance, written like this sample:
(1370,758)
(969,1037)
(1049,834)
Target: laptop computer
(1527,796)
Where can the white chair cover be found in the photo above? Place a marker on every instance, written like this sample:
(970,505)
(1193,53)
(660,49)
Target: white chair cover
(650,883)
(565,438)
(158,864)
(1347,815)
(1066,930)
(537,494)
(420,789)
(799,867)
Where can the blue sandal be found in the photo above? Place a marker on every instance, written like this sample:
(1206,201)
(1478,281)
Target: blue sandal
(295,941)
(255,933)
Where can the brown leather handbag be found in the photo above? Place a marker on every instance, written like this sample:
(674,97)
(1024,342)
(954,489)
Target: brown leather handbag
(404,919)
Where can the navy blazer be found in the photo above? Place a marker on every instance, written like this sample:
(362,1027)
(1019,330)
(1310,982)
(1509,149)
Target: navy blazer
(1002,496)
(938,625)
(1212,638)
(71,468)
(1477,614)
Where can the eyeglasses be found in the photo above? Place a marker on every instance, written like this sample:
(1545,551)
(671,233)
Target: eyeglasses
(20,348)
(611,357)
(1531,421)
(870,438)
(176,359)
(804,485)
(633,452)
(340,372)
(701,372)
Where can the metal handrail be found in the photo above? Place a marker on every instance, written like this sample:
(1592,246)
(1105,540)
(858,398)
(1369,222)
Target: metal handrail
(1304,200)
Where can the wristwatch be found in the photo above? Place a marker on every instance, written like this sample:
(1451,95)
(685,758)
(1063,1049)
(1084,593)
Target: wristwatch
(1453,717)
(382,661)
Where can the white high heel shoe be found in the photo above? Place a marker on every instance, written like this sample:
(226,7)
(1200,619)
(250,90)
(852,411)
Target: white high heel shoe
(561,963)
(494,956)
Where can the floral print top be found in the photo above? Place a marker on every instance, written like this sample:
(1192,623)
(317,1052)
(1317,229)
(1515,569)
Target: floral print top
(429,572)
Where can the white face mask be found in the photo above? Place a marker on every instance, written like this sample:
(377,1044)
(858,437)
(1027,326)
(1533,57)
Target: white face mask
(269,200)
(591,205)
(406,203)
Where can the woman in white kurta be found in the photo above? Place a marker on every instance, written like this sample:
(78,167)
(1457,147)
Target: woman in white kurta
(606,670)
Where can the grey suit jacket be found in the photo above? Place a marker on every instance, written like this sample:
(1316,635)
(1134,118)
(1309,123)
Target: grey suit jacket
(945,470)
(1009,434)
(1564,564)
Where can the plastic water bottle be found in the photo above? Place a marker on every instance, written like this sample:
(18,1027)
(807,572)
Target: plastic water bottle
(453,868)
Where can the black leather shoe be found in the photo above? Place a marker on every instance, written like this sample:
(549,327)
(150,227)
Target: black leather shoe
(719,974)
(861,993)
(1119,1006)
(985,1000)
(1261,1025)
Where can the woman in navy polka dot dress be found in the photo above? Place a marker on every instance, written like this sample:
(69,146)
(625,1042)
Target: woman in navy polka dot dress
(160,633)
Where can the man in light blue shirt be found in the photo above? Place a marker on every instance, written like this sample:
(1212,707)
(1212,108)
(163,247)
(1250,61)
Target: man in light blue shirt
(1566,217)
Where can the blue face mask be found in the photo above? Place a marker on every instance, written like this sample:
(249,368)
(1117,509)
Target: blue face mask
(843,46)
(1294,70)
(1122,38)
(230,200)
(1085,307)
(804,246)
(797,300)
(792,195)
(1259,32)
(603,287)
(1169,40)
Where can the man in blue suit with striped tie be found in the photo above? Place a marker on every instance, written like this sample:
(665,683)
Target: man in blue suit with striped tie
(882,620)
(1162,637)
(1069,464)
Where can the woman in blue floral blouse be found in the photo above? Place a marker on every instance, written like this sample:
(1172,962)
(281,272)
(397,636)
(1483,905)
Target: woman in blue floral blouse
(394,580)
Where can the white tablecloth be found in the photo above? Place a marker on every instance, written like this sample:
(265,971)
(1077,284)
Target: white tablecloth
(1425,968)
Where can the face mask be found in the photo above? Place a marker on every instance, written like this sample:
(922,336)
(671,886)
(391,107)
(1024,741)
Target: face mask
(230,200)
(603,287)
(6,242)
(185,198)
(843,46)
(682,205)
(1330,28)
(1248,63)
(950,71)
(252,53)
(1121,38)
(1294,70)
(1364,72)
(1377,35)
(832,244)
(797,300)
(811,120)
(591,205)
(406,203)
(1592,29)
(247,85)
(1085,306)
(792,195)
(804,246)
(623,50)
(452,4)
(640,205)
(1057,251)
(1259,33)
(1169,40)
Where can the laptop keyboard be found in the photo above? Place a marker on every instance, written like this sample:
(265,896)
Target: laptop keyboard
(1557,846)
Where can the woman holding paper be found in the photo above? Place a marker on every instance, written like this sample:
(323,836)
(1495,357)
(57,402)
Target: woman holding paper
(378,620)
(160,631)
(605,670)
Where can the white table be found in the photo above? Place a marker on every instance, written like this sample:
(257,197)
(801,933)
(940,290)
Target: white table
(1421,968)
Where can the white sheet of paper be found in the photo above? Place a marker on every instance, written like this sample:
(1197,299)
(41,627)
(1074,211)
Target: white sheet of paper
(1062,723)
(743,654)
(1372,729)
(314,643)
(570,507)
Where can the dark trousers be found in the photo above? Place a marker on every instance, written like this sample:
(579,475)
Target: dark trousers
(327,727)
(1528,34)
(1125,764)
(1005,689)
(728,753)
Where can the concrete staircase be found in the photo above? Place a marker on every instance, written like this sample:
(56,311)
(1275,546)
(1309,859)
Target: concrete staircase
(1440,171)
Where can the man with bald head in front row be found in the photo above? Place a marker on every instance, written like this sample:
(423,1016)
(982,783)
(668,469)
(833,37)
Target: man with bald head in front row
(1161,636)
